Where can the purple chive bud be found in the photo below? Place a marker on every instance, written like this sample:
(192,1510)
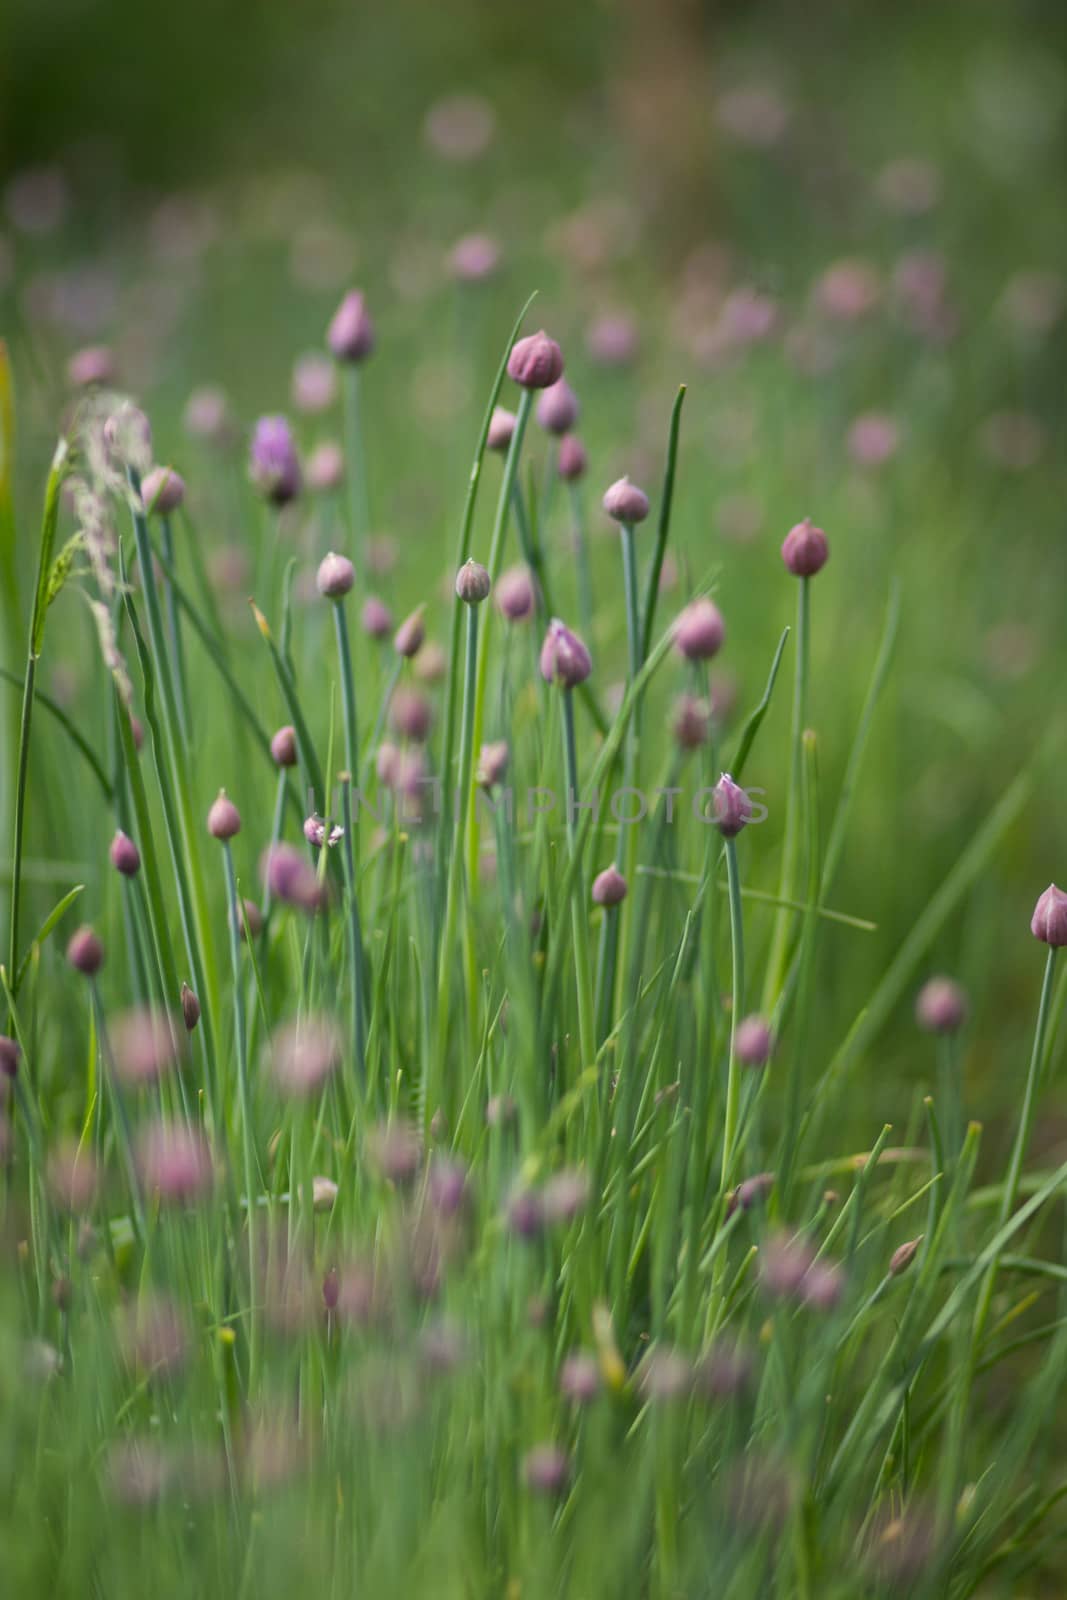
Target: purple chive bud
(625,502)
(304,1055)
(941,1006)
(93,367)
(273,465)
(472,583)
(691,723)
(190,1008)
(85,952)
(545,1469)
(162,491)
(492,763)
(474,258)
(500,1110)
(314,387)
(579,1377)
(536,362)
(525,1213)
(376,618)
(411,715)
(501,428)
(1049,921)
(146,1044)
(9,1056)
(283,747)
(903,1256)
(250,917)
(699,630)
(558,409)
(805,549)
(572,459)
(753,1042)
(749,1190)
(733,808)
(446,1185)
(408,639)
(395,1151)
(224,819)
(326,467)
(207,416)
(335,577)
(292,879)
(125,856)
(351,333)
(515,595)
(564,658)
(175,1163)
(609,887)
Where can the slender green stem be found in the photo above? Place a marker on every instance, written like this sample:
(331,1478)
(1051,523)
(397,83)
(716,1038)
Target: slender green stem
(36,639)
(351,838)
(733,1077)
(465,787)
(175,635)
(581,556)
(252,1184)
(496,556)
(579,910)
(793,829)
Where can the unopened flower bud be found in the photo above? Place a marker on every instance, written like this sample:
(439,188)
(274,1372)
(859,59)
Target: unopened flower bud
(472,583)
(351,333)
(753,1042)
(190,1008)
(733,808)
(408,639)
(85,952)
(273,465)
(572,459)
(501,428)
(283,746)
(903,1256)
(376,619)
(941,1006)
(557,409)
(564,658)
(335,577)
(224,819)
(515,595)
(162,491)
(535,362)
(125,856)
(699,630)
(609,887)
(625,502)
(805,549)
(1049,921)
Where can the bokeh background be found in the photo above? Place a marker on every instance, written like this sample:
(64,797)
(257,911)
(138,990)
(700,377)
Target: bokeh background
(841,225)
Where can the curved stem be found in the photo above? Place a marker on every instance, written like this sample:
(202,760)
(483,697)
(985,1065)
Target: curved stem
(733,1079)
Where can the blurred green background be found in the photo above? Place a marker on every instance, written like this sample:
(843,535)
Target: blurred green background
(810,215)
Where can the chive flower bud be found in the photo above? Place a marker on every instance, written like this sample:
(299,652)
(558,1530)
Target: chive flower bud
(1049,921)
(472,583)
(125,856)
(625,502)
(351,333)
(805,549)
(733,808)
(564,658)
(336,575)
(224,819)
(535,362)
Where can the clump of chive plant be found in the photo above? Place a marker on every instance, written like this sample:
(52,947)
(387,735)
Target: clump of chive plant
(389,1189)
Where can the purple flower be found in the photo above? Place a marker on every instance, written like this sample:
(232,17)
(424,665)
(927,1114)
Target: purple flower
(474,258)
(699,630)
(609,887)
(624,502)
(572,459)
(91,368)
(224,819)
(733,808)
(292,879)
(162,491)
(805,549)
(564,658)
(501,428)
(941,1006)
(515,594)
(125,856)
(753,1042)
(273,464)
(557,409)
(85,952)
(283,746)
(1049,921)
(304,1055)
(535,362)
(335,576)
(314,387)
(351,333)
(326,467)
